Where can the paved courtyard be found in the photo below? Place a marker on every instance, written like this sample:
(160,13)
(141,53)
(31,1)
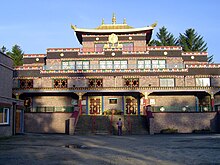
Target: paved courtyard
(105,150)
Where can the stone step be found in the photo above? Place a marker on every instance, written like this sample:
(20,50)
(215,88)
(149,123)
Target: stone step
(103,125)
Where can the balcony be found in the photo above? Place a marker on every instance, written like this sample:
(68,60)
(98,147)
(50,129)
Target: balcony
(110,67)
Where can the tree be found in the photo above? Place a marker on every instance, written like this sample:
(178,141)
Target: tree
(164,38)
(210,59)
(17,55)
(192,42)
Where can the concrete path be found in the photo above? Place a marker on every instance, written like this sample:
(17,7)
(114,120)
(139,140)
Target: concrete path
(57,149)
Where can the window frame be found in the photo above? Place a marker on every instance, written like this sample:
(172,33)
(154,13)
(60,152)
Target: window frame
(7,122)
(151,64)
(76,66)
(111,64)
(167,83)
(202,82)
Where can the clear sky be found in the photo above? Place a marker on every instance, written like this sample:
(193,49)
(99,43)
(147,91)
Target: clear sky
(36,25)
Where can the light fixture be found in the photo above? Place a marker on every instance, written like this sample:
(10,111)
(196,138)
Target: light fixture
(61,54)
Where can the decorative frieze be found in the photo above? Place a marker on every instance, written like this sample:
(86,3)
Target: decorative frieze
(63,49)
(164,48)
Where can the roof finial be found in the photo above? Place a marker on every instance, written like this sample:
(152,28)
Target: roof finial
(103,21)
(124,21)
(113,19)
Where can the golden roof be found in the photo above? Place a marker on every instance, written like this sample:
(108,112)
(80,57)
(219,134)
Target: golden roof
(114,27)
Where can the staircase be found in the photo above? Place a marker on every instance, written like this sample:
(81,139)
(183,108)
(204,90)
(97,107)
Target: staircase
(108,125)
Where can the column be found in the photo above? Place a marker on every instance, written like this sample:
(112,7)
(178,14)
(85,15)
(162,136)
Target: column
(87,105)
(212,101)
(103,106)
(80,94)
(17,95)
(138,104)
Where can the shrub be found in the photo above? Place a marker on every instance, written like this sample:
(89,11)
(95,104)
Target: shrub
(169,130)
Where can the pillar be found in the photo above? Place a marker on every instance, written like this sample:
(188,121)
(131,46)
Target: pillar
(80,94)
(212,101)
(139,105)
(17,96)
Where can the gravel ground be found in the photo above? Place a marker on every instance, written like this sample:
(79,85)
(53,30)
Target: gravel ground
(57,149)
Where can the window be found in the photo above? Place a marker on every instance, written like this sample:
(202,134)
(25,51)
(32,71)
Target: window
(4,116)
(203,82)
(128,46)
(158,64)
(99,47)
(143,64)
(75,65)
(68,65)
(26,83)
(167,82)
(131,82)
(60,83)
(123,64)
(113,100)
(148,64)
(95,83)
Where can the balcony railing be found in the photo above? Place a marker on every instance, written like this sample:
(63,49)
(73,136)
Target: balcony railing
(94,66)
(51,109)
(181,108)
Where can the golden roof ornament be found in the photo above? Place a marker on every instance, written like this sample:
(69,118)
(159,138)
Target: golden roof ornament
(113,19)
(154,25)
(103,21)
(124,21)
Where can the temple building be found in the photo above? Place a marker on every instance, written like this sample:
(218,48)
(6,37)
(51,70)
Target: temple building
(116,72)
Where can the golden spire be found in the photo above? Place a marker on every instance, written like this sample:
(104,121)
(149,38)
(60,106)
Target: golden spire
(103,21)
(124,21)
(113,19)
(154,25)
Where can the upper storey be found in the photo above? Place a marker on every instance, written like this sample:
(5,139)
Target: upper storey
(114,35)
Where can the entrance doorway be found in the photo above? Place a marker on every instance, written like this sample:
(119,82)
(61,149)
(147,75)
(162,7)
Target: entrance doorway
(131,106)
(95,105)
(19,121)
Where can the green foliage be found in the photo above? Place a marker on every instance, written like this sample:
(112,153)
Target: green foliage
(169,131)
(17,55)
(164,38)
(109,112)
(192,42)
(210,59)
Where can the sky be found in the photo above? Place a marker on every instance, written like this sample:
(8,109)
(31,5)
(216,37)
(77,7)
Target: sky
(41,24)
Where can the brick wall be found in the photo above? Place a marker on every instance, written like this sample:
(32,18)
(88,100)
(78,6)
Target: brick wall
(77,83)
(51,101)
(149,80)
(190,81)
(46,83)
(6,74)
(174,61)
(110,82)
(215,81)
(173,100)
(184,122)
(46,122)
(37,83)
(179,81)
(117,106)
